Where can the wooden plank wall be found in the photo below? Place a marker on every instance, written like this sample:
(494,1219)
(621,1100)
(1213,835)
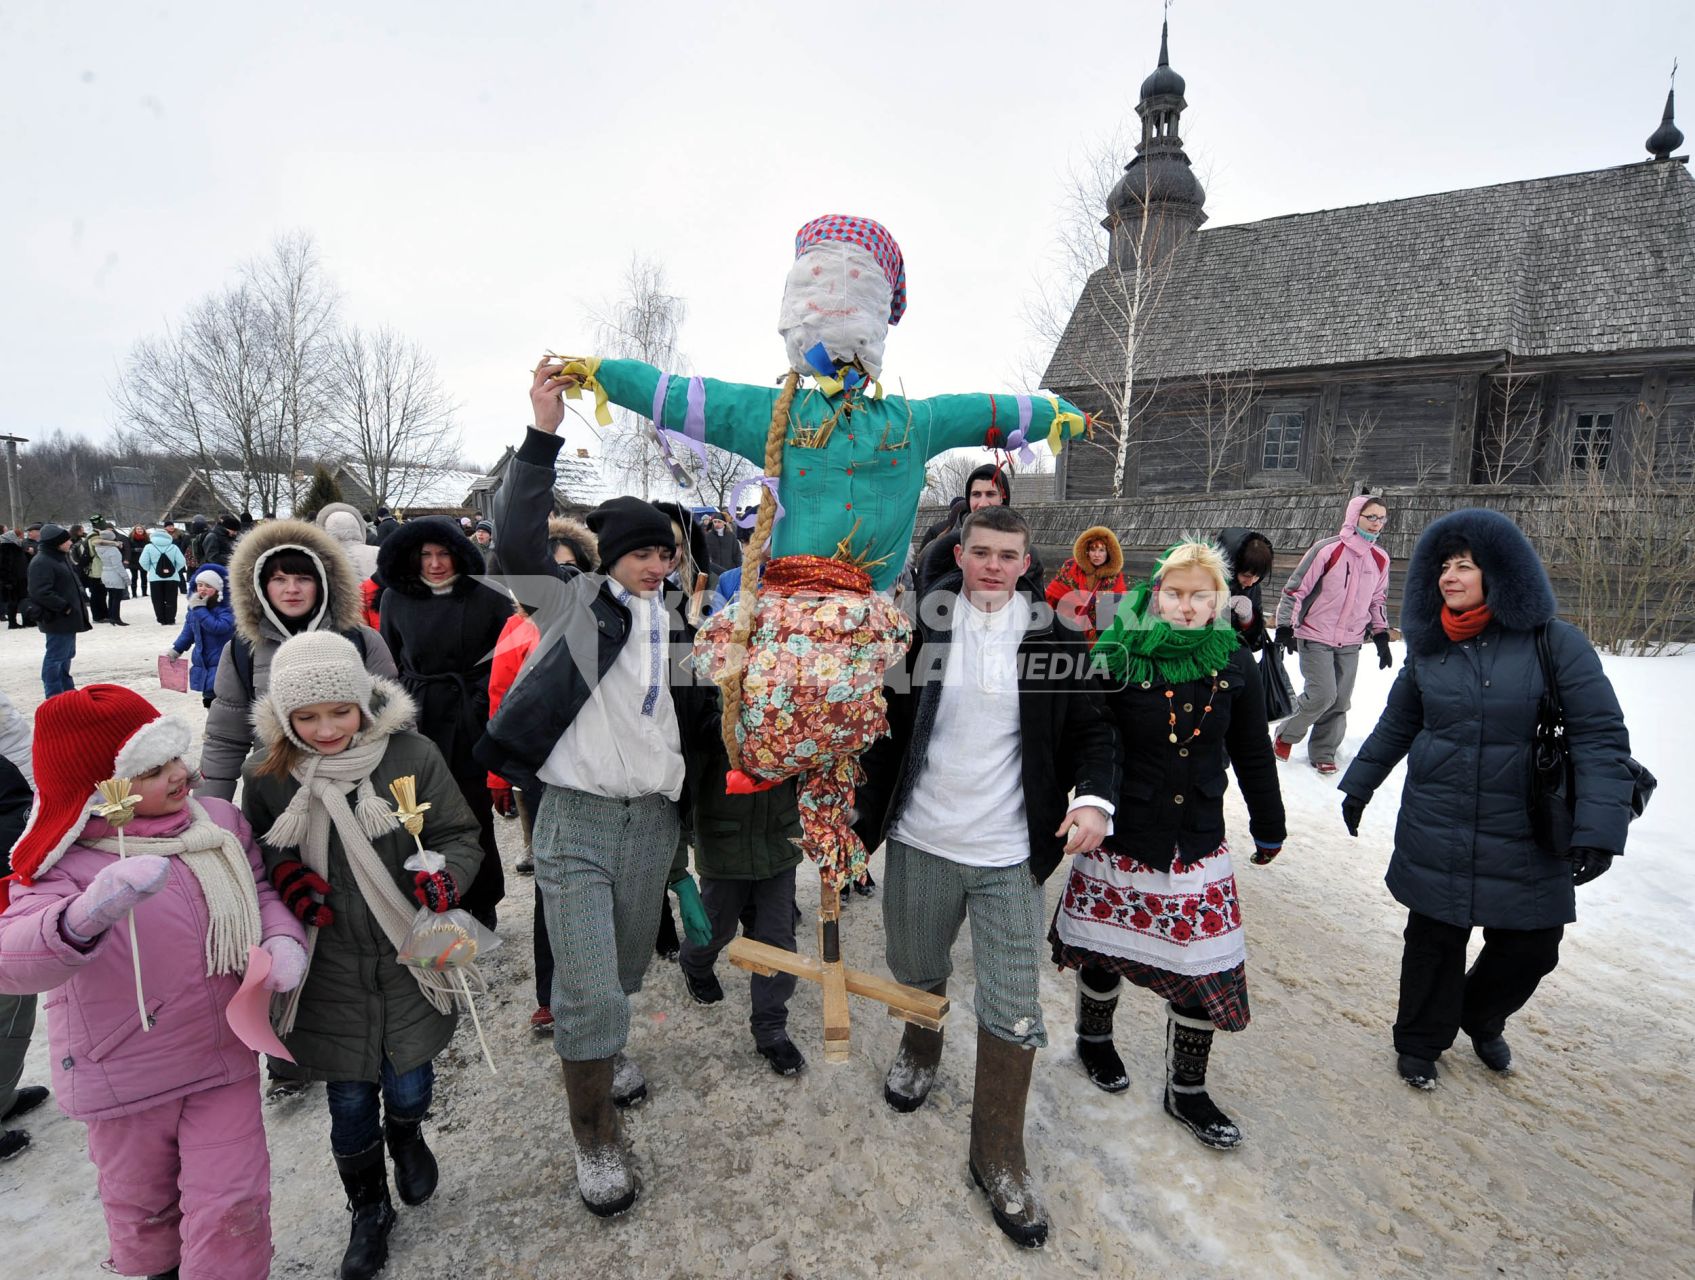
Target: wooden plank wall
(1293,519)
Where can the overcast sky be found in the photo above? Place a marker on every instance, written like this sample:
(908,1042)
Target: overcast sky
(477,176)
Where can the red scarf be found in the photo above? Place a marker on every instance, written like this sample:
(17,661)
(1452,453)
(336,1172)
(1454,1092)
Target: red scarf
(1464,626)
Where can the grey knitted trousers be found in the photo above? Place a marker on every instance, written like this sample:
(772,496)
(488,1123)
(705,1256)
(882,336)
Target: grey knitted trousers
(925,900)
(601,866)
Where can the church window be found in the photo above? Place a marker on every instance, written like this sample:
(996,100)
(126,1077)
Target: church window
(1283,432)
(1592,442)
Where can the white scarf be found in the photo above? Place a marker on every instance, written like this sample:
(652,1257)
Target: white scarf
(305,823)
(215,857)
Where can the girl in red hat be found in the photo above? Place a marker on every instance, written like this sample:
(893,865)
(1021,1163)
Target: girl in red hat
(172,1105)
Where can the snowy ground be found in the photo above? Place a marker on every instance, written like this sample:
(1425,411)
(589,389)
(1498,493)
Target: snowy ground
(1578,1165)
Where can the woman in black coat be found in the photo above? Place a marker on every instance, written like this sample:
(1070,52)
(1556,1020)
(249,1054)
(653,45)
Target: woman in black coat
(1157,903)
(442,626)
(1462,713)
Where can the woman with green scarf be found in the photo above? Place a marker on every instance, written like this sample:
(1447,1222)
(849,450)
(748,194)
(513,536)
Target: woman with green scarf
(1157,903)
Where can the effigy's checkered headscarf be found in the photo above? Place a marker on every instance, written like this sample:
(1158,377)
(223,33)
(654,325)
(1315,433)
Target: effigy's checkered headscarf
(871,236)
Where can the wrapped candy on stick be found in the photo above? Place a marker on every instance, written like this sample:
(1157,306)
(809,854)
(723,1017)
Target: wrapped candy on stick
(118,809)
(447,942)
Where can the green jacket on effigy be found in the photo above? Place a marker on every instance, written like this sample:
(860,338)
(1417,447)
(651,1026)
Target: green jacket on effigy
(864,483)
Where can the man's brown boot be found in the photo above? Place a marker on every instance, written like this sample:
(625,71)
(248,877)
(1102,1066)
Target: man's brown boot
(914,1068)
(606,1177)
(997,1138)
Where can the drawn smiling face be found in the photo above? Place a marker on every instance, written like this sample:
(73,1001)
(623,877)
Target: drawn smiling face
(836,295)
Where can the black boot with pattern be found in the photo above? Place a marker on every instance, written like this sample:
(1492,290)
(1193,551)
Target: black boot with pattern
(1188,1044)
(1095,1049)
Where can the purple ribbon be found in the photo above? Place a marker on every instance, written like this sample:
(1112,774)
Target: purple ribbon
(755,482)
(693,435)
(1018,440)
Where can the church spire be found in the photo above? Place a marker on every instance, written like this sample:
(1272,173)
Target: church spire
(1160,180)
(1668,137)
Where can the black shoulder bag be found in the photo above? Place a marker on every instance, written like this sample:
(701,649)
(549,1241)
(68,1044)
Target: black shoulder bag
(1553,790)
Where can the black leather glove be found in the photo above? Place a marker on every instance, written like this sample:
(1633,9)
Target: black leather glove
(1286,639)
(1586,864)
(1352,811)
(1384,660)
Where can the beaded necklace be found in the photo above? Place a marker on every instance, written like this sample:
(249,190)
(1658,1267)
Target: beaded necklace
(1171,713)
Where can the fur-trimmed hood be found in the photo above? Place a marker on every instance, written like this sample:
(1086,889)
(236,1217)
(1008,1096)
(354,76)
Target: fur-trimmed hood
(392,712)
(1114,553)
(1515,584)
(579,537)
(254,621)
(397,557)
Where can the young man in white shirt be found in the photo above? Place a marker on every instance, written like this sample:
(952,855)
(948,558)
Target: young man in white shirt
(998,727)
(594,726)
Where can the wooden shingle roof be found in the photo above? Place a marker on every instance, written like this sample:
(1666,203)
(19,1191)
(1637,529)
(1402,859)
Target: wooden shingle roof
(1587,262)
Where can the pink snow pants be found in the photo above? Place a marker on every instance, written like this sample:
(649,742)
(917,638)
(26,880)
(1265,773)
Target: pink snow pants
(188,1183)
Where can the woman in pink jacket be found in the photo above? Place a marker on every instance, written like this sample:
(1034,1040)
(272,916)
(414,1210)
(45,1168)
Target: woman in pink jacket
(172,1108)
(1335,598)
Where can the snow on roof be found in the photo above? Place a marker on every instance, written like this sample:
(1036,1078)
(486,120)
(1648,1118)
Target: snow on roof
(233,490)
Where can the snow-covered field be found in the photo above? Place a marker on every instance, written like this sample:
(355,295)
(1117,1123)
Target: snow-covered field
(1578,1165)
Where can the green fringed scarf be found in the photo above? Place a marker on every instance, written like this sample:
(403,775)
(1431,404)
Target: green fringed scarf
(1140,647)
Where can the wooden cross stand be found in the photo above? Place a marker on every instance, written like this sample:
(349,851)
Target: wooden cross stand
(907,1003)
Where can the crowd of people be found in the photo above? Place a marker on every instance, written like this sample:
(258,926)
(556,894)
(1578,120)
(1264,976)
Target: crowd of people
(523,665)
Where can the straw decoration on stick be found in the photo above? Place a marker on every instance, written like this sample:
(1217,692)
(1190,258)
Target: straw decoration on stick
(118,810)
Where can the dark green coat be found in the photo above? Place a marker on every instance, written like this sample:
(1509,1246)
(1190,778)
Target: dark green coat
(737,837)
(359,1004)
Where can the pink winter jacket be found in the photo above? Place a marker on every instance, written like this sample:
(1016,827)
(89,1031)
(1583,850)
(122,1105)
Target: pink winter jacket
(103,1064)
(1338,594)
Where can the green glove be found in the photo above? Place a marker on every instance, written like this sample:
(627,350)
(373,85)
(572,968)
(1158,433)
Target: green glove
(696,927)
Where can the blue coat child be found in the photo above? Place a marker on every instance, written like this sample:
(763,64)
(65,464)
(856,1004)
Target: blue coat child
(207,628)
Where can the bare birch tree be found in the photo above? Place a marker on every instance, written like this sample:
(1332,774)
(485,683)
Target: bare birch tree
(1218,424)
(642,323)
(389,417)
(240,381)
(723,471)
(1347,449)
(1512,426)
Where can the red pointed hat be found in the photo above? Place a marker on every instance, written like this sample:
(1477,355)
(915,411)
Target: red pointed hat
(83,738)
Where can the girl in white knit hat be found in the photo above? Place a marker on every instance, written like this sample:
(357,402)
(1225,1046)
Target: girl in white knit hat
(335,738)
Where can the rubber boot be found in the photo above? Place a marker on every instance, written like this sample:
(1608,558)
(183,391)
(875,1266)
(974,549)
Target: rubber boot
(913,1071)
(1188,1045)
(606,1179)
(997,1138)
(1095,1049)
(415,1171)
(365,1177)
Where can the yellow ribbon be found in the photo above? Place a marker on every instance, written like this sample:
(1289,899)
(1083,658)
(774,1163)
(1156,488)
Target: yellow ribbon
(832,387)
(584,368)
(1066,425)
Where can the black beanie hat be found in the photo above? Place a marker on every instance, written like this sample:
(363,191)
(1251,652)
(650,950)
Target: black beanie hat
(623,525)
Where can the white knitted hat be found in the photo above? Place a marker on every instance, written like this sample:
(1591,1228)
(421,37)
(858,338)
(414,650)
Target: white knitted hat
(316,666)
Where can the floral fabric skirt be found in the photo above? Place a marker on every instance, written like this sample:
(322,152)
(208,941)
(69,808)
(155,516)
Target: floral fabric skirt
(1177,932)
(812,693)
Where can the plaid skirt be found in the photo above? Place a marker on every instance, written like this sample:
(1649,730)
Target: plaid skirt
(1178,932)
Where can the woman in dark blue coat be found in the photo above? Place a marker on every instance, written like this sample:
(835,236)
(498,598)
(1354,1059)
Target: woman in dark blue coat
(1462,713)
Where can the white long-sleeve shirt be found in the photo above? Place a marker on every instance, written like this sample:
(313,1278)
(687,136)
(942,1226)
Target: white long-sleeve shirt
(625,743)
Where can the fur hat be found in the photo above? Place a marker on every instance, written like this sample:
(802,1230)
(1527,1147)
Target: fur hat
(626,524)
(316,666)
(82,738)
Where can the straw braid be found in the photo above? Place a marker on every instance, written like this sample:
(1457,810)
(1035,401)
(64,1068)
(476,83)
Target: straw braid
(758,547)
